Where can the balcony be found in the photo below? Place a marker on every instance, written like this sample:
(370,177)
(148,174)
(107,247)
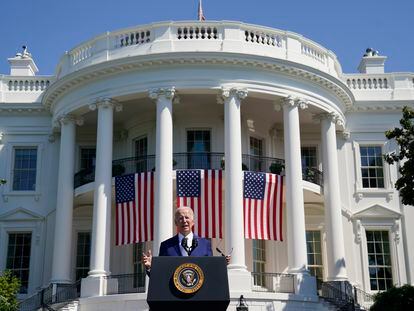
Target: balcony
(205,160)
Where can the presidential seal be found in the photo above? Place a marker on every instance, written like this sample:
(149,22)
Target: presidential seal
(188,278)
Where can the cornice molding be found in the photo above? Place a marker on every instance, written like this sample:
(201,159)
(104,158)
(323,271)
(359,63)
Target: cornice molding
(60,87)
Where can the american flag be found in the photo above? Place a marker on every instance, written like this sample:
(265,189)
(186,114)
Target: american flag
(202,191)
(262,202)
(134,208)
(201,16)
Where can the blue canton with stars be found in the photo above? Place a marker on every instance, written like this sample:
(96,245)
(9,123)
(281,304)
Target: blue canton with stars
(125,188)
(254,185)
(188,183)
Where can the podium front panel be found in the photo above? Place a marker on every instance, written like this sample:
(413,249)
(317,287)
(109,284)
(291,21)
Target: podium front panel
(212,295)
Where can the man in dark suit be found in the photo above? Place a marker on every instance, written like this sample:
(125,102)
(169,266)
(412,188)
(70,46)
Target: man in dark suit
(185,243)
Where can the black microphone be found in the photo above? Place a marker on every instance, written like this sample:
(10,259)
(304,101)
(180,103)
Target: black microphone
(219,251)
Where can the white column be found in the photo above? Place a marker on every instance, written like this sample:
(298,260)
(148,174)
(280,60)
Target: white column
(61,267)
(233,175)
(296,232)
(163,209)
(101,226)
(333,211)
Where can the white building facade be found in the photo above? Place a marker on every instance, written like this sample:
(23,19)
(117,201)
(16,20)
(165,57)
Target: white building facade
(180,95)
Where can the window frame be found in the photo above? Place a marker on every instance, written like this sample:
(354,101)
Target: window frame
(322,265)
(76,241)
(393,233)
(8,187)
(27,226)
(359,189)
(262,282)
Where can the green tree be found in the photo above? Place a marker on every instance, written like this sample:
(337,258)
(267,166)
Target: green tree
(9,287)
(404,137)
(394,299)
(2,181)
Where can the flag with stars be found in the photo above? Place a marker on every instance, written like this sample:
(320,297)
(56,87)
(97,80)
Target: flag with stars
(262,202)
(202,191)
(134,208)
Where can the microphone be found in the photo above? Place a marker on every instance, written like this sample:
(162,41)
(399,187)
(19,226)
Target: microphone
(221,252)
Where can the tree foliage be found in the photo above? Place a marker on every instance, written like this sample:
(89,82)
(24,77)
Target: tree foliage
(9,287)
(404,137)
(396,298)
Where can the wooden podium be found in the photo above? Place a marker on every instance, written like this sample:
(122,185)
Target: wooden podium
(188,283)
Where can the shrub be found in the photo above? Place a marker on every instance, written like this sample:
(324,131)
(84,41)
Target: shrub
(9,287)
(396,298)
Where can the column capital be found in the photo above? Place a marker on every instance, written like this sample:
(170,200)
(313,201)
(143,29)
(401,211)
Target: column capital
(106,103)
(292,102)
(330,116)
(69,118)
(167,92)
(227,92)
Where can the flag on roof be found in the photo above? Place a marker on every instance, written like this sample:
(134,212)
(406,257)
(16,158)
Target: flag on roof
(201,16)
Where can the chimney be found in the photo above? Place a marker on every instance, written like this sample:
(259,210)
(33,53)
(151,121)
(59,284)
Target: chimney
(22,64)
(372,62)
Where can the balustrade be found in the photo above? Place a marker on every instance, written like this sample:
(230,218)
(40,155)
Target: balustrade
(28,85)
(197,32)
(373,83)
(313,52)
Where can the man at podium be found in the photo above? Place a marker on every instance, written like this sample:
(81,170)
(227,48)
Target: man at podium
(185,243)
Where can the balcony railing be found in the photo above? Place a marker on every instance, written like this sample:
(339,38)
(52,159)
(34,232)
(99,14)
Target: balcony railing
(64,293)
(202,160)
(128,283)
(273,282)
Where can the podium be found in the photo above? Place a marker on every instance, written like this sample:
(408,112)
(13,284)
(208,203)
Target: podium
(188,283)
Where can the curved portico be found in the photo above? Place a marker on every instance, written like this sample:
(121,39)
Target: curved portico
(281,82)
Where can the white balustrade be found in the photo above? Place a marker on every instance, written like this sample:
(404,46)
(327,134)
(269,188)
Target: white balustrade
(27,84)
(249,39)
(371,83)
(265,38)
(314,52)
(197,32)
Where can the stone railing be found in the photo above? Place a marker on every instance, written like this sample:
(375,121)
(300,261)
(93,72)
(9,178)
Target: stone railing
(212,36)
(384,86)
(23,89)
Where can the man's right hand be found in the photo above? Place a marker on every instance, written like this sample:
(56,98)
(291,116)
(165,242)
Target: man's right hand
(146,259)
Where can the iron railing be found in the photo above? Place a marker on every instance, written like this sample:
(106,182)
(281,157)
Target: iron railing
(339,294)
(128,283)
(363,299)
(273,282)
(200,160)
(45,298)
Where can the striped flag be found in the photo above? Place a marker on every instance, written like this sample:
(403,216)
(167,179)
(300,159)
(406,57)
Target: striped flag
(134,208)
(262,202)
(202,191)
(201,16)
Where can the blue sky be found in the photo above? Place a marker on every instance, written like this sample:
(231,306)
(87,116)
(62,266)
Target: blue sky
(347,27)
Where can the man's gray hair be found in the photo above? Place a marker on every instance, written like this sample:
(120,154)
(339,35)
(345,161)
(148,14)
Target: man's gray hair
(181,209)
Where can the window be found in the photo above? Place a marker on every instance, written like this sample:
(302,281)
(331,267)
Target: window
(372,170)
(141,152)
(87,158)
(259,261)
(198,147)
(379,260)
(18,257)
(309,157)
(256,152)
(24,171)
(83,253)
(139,269)
(314,251)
